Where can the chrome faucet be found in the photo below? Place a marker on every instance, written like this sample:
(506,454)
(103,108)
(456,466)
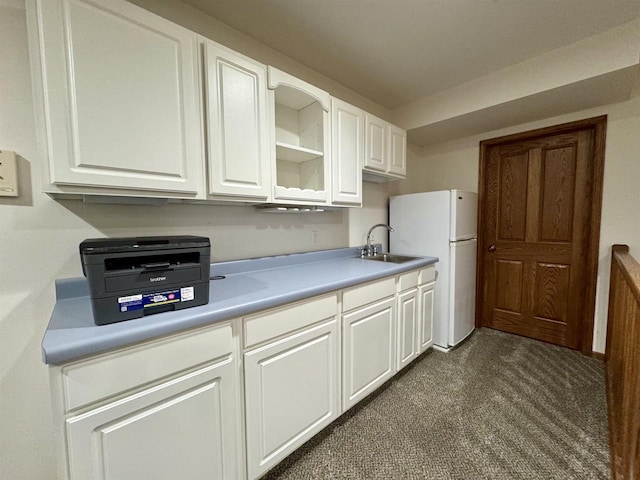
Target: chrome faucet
(369,250)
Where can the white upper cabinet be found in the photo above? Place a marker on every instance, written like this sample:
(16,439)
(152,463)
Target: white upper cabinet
(397,151)
(347,139)
(385,150)
(376,149)
(300,139)
(239,148)
(118,96)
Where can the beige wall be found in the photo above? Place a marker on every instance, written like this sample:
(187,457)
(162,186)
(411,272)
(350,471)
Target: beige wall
(197,21)
(455,165)
(374,210)
(39,240)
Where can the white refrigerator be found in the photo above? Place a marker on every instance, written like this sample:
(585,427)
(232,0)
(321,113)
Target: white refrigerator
(442,224)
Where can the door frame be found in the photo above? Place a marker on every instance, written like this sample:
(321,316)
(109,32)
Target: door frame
(599,127)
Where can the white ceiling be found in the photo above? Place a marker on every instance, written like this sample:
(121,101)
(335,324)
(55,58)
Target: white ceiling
(397,51)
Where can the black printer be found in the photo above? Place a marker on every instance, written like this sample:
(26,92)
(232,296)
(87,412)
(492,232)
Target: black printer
(132,277)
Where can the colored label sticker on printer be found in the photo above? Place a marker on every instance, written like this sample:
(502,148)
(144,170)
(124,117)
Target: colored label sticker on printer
(147,300)
(186,294)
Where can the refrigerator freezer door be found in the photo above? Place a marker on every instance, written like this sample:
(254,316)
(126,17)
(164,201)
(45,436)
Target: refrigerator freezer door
(462,285)
(464,215)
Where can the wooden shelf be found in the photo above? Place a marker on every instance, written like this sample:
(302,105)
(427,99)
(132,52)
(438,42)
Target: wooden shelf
(294,153)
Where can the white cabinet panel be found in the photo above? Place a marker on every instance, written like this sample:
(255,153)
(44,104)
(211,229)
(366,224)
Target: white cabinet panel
(425,306)
(184,427)
(107,375)
(407,327)
(348,153)
(385,150)
(238,135)
(265,326)
(368,293)
(292,392)
(397,151)
(368,348)
(376,151)
(120,95)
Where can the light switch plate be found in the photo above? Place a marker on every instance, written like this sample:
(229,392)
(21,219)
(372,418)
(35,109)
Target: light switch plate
(8,174)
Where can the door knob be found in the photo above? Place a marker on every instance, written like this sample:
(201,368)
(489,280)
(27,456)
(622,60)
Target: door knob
(492,248)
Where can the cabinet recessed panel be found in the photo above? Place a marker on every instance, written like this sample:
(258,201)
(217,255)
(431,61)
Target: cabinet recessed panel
(558,185)
(370,350)
(398,150)
(426,316)
(508,286)
(239,155)
(298,373)
(291,393)
(376,144)
(348,152)
(513,197)
(551,292)
(128,100)
(239,112)
(118,93)
(187,425)
(407,327)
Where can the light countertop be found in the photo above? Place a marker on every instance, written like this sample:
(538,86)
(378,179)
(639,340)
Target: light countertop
(248,287)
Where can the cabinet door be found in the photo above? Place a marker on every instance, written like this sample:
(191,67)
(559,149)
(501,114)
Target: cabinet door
(397,151)
(121,98)
(238,134)
(376,144)
(348,153)
(368,350)
(425,316)
(186,426)
(292,392)
(407,327)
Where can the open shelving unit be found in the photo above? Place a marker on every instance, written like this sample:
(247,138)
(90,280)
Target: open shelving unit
(301,129)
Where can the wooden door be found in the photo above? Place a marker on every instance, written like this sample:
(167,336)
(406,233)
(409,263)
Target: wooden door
(540,215)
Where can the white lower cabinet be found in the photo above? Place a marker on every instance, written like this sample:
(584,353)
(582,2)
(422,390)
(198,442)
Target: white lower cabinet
(425,309)
(161,433)
(407,327)
(292,392)
(163,410)
(368,350)
(173,407)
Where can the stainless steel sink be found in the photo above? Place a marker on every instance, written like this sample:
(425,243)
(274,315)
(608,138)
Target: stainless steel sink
(389,257)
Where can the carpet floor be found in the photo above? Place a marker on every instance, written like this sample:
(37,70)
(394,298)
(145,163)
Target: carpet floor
(498,407)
